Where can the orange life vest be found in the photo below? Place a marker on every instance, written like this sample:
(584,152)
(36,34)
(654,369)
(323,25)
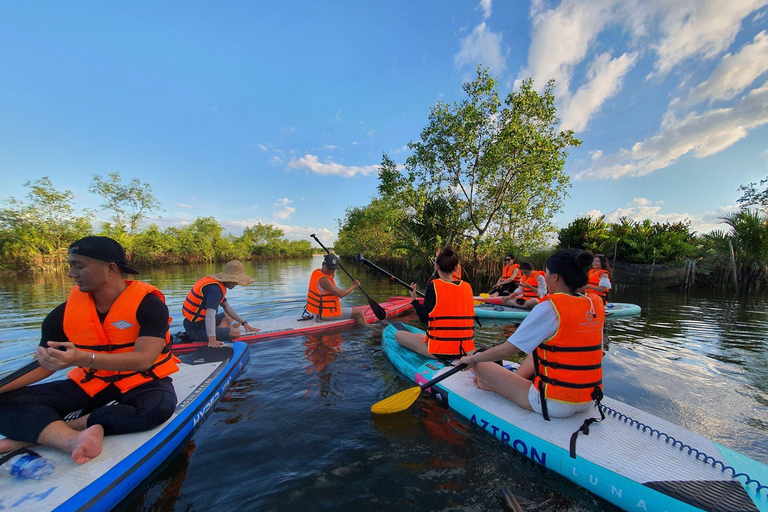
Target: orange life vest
(451,326)
(116,335)
(568,366)
(326,304)
(509,270)
(531,280)
(192,308)
(594,280)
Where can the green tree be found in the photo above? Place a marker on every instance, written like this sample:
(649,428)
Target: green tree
(129,203)
(751,196)
(499,170)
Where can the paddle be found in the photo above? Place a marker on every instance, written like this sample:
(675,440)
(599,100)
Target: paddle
(404,399)
(375,307)
(360,258)
(19,373)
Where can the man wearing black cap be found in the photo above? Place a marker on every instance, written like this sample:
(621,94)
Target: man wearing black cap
(114,334)
(323,294)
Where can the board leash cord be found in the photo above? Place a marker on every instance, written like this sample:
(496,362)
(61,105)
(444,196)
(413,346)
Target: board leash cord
(717,464)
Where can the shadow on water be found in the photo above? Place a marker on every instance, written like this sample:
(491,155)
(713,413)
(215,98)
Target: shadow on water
(296,432)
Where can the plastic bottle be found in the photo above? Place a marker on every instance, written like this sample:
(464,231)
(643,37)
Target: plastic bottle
(29,466)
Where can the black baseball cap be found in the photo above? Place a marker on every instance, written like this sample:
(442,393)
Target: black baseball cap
(102,248)
(331,261)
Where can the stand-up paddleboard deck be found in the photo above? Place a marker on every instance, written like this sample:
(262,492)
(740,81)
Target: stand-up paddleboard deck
(637,468)
(295,326)
(612,310)
(101,483)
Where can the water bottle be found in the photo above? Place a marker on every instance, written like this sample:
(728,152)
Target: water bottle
(29,466)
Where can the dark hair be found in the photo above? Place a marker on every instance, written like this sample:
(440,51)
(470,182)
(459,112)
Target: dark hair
(572,265)
(512,256)
(447,260)
(526,265)
(603,262)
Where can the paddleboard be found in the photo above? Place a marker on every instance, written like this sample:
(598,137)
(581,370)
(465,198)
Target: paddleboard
(295,326)
(126,460)
(612,310)
(632,459)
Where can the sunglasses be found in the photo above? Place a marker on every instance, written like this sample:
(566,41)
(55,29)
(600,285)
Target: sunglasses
(507,259)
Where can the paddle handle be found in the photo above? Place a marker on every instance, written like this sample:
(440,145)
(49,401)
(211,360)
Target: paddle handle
(19,373)
(445,375)
(373,265)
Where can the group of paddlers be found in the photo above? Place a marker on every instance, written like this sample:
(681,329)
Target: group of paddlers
(113,333)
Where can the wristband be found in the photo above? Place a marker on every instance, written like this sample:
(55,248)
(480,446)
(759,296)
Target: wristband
(93,357)
(476,360)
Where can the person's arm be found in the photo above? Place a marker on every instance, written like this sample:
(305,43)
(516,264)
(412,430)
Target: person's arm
(423,310)
(542,285)
(229,310)
(331,288)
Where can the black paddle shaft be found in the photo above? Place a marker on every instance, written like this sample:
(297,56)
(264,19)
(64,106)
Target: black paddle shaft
(442,376)
(360,258)
(19,373)
(375,306)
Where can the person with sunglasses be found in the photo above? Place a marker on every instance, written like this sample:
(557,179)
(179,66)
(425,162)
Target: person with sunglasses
(509,280)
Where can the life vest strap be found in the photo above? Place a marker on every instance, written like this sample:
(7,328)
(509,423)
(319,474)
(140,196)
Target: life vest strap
(459,328)
(432,318)
(565,384)
(555,348)
(149,372)
(597,396)
(461,338)
(576,367)
(104,348)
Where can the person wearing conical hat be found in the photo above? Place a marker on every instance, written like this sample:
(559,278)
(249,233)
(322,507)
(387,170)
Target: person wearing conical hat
(202,320)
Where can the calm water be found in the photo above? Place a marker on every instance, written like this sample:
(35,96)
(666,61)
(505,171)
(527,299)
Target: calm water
(296,432)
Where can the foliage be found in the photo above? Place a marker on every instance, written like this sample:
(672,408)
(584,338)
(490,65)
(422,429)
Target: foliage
(481,171)
(130,203)
(751,196)
(372,230)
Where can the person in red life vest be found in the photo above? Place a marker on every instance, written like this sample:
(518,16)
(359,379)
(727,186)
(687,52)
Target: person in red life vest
(509,280)
(599,278)
(448,312)
(202,320)
(532,289)
(114,334)
(323,295)
(563,337)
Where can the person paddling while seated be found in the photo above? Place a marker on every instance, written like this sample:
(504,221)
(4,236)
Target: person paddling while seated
(113,333)
(599,278)
(202,320)
(509,280)
(448,312)
(532,289)
(323,295)
(563,337)
(456,275)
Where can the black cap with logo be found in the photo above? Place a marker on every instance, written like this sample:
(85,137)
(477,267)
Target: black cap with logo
(331,261)
(102,248)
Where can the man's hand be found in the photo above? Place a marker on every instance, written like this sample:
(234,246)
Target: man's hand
(213,342)
(60,355)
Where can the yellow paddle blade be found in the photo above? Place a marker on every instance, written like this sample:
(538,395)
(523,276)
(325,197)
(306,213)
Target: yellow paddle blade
(396,403)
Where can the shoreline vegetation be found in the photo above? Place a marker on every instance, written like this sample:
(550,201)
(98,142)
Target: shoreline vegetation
(486,176)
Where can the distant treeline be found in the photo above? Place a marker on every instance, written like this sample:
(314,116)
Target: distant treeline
(35,233)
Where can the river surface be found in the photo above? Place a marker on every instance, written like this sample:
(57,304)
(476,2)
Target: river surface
(296,433)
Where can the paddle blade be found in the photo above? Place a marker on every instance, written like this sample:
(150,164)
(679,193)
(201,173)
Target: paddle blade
(397,403)
(377,309)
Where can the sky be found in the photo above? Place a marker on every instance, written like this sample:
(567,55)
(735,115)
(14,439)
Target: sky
(279,112)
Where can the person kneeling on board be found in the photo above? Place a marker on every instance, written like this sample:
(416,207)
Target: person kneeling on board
(114,333)
(563,337)
(202,321)
(448,312)
(323,295)
(532,289)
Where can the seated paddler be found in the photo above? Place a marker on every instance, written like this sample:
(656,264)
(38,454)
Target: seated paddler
(448,312)
(323,296)
(113,334)
(563,337)
(202,319)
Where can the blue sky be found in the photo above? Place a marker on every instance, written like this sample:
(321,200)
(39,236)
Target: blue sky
(279,112)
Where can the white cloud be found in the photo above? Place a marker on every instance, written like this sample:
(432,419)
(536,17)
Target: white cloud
(262,147)
(329,146)
(701,135)
(604,79)
(485,6)
(276,160)
(481,46)
(734,73)
(182,205)
(640,201)
(311,163)
(290,232)
(282,202)
(285,213)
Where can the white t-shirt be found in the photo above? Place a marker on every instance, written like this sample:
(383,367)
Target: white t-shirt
(605,282)
(540,324)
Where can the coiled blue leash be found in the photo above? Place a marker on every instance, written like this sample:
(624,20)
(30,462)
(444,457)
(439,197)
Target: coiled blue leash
(717,464)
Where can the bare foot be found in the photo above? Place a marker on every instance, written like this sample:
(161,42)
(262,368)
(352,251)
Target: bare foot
(480,383)
(87,444)
(8,445)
